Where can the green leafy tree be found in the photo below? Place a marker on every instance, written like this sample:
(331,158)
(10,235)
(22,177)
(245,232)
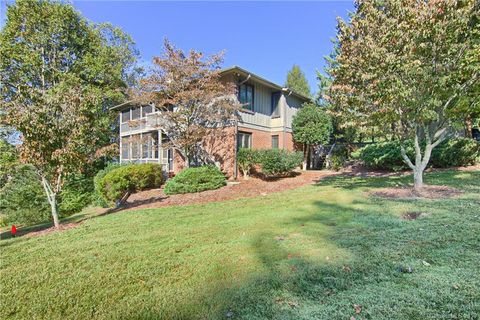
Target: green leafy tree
(8,160)
(59,76)
(297,81)
(401,69)
(311,126)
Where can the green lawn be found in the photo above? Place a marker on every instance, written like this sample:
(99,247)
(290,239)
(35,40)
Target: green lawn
(309,253)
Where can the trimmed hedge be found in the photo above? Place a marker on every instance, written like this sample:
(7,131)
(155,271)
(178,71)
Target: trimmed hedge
(196,179)
(97,197)
(121,181)
(450,153)
(278,161)
(273,162)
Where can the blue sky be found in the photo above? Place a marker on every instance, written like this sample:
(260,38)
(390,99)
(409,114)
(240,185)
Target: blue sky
(266,38)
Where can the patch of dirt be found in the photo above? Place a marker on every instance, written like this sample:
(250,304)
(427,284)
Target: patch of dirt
(429,192)
(62,227)
(412,215)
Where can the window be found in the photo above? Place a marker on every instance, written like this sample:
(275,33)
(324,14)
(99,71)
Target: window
(275,106)
(135,113)
(145,110)
(135,139)
(154,144)
(275,142)
(146,146)
(244,140)
(245,96)
(125,148)
(125,115)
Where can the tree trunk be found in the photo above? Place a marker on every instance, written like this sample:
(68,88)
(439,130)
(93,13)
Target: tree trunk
(53,205)
(417,179)
(52,200)
(304,164)
(468,127)
(421,162)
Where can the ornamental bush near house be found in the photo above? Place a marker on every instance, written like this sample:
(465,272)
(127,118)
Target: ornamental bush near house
(246,160)
(98,198)
(196,179)
(278,161)
(120,182)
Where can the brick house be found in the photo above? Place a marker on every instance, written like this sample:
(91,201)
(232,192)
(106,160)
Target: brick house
(264,122)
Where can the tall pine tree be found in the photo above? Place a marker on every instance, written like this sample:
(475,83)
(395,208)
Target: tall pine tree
(297,81)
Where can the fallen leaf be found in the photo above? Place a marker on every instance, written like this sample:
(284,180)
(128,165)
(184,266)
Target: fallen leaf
(358,308)
(425,263)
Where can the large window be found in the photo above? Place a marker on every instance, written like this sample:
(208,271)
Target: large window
(245,96)
(125,115)
(275,142)
(136,113)
(275,106)
(140,146)
(125,148)
(146,110)
(244,140)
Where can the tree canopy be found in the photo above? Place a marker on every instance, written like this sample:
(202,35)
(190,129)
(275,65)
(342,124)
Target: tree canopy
(190,98)
(311,126)
(401,67)
(297,81)
(59,75)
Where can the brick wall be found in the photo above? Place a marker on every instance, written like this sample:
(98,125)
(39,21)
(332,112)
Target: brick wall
(263,139)
(220,145)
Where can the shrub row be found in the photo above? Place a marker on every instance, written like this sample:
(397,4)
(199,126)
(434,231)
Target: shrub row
(196,179)
(273,162)
(450,153)
(119,182)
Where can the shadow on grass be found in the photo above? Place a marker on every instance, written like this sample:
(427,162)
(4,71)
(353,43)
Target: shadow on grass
(464,180)
(292,285)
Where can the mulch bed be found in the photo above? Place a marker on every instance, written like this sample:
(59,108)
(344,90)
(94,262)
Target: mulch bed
(156,198)
(429,192)
(62,227)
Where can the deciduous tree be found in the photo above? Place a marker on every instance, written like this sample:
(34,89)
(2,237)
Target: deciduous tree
(59,75)
(401,68)
(189,96)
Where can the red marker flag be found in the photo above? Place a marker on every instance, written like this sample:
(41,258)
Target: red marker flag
(14,230)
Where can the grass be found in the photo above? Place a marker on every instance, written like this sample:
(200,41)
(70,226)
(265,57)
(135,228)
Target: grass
(308,253)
